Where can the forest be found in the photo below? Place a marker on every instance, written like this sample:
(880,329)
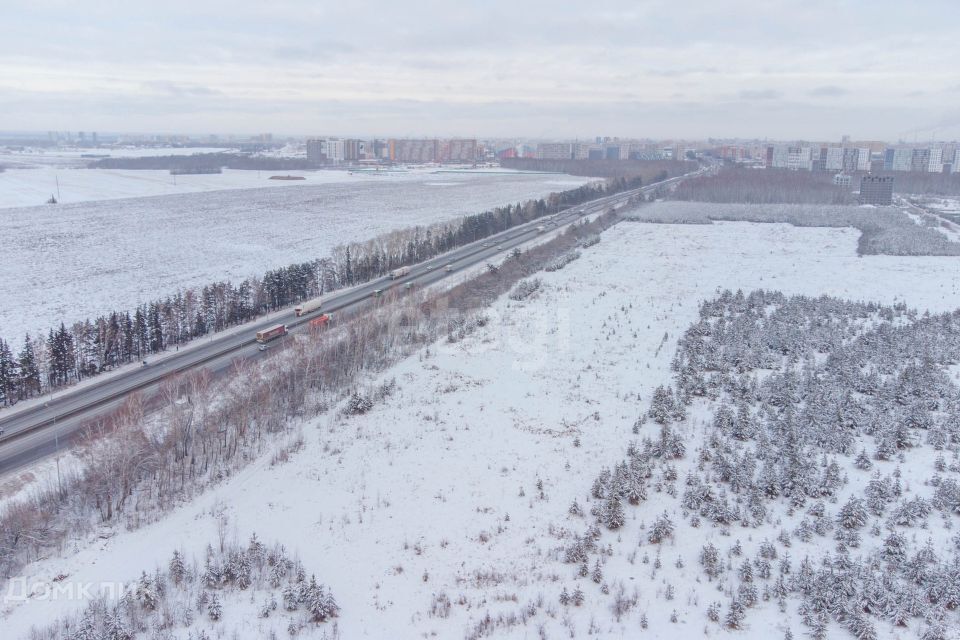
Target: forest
(764,186)
(829,458)
(85,348)
(920,182)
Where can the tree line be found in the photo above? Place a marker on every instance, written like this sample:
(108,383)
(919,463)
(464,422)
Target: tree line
(764,187)
(649,170)
(204,163)
(68,354)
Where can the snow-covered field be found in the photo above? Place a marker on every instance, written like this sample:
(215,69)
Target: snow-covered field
(434,494)
(31,179)
(71,261)
(34,186)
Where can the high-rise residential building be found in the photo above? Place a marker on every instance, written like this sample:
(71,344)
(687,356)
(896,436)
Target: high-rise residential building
(316,151)
(851,158)
(354,150)
(799,158)
(458,150)
(898,159)
(555,151)
(920,161)
(381,150)
(935,163)
(781,156)
(335,151)
(414,150)
(732,153)
(324,151)
(777,156)
(581,150)
(876,190)
(863,159)
(834,159)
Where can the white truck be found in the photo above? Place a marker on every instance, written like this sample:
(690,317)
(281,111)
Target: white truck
(399,273)
(308,306)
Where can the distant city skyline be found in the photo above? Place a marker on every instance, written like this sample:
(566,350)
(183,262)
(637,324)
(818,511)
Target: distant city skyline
(812,71)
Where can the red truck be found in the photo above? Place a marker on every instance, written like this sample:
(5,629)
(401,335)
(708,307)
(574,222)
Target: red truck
(320,321)
(272,333)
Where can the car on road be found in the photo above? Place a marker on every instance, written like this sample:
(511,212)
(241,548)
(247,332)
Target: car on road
(448,268)
(377,293)
(499,247)
(486,244)
(263,347)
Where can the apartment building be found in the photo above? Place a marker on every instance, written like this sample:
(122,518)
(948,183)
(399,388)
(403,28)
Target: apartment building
(555,151)
(876,190)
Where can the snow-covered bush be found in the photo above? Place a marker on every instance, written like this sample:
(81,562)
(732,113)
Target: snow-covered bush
(525,289)
(200,598)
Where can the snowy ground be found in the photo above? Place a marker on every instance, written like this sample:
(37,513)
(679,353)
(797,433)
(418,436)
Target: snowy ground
(945,205)
(31,178)
(72,261)
(434,492)
(35,185)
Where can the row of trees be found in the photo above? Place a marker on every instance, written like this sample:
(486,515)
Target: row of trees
(205,163)
(86,348)
(649,170)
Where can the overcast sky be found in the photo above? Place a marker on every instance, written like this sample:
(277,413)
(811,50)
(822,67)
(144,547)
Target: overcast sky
(809,69)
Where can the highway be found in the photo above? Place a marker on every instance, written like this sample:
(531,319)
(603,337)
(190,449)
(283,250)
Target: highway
(40,430)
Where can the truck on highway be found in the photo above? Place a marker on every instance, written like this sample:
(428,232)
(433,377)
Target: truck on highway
(272,333)
(320,321)
(399,273)
(307,307)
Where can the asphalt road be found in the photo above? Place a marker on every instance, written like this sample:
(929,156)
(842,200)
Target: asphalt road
(41,430)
